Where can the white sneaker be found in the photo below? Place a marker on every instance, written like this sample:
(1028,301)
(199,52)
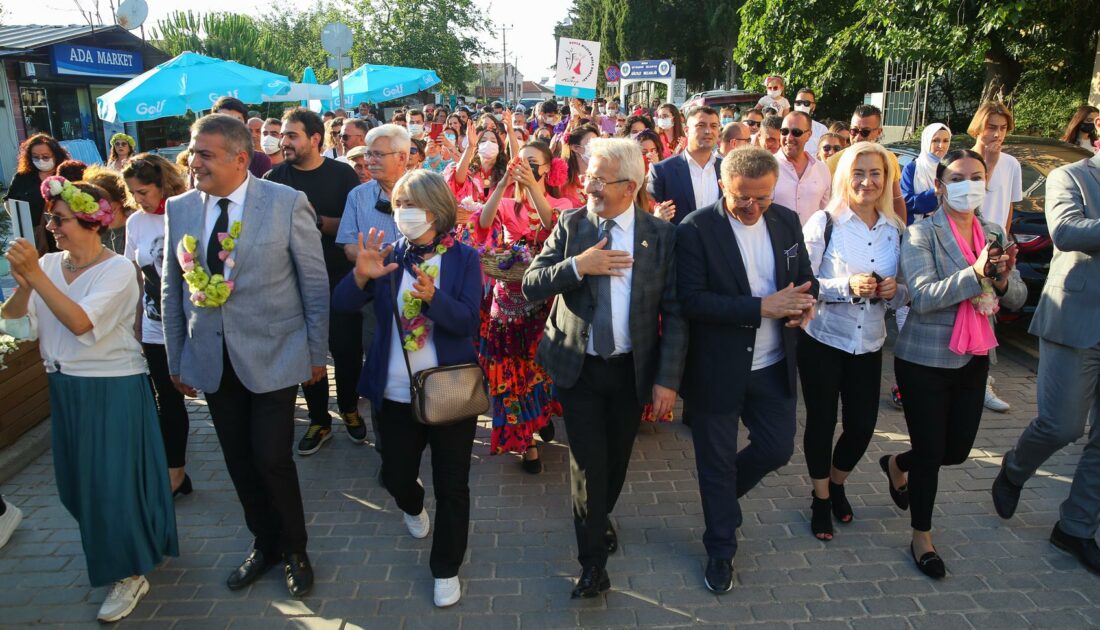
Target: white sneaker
(418,525)
(992,402)
(9,521)
(447,591)
(123,598)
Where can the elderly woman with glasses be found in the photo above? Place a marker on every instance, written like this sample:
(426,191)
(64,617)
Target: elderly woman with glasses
(107,451)
(436,283)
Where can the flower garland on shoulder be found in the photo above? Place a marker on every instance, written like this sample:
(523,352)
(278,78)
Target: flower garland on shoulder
(84,206)
(414,324)
(208,291)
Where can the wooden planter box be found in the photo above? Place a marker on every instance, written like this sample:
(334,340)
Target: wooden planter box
(24,392)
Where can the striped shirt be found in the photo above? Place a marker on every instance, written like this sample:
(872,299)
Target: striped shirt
(360,215)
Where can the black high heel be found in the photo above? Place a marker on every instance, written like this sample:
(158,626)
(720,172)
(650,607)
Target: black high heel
(821,521)
(184,488)
(842,509)
(532,466)
(547,432)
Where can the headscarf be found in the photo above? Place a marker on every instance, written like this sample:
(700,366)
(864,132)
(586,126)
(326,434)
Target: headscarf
(925,176)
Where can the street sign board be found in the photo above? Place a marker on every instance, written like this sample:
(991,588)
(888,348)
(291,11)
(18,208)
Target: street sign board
(679,91)
(612,74)
(342,62)
(578,61)
(336,38)
(646,69)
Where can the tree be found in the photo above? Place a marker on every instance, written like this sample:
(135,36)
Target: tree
(229,36)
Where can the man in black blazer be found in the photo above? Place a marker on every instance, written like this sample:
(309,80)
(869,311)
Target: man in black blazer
(614,338)
(745,286)
(690,179)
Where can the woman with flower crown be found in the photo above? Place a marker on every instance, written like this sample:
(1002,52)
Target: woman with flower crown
(524,399)
(108,456)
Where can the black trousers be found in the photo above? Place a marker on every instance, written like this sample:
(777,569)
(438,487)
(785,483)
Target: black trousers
(174,423)
(829,375)
(452,446)
(943,408)
(256,433)
(602,413)
(345,342)
(726,474)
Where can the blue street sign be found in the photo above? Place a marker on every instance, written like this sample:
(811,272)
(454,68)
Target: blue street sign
(95,62)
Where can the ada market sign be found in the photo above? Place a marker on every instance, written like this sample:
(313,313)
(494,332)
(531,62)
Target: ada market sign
(578,69)
(95,62)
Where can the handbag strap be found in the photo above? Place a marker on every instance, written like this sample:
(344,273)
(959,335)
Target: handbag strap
(397,321)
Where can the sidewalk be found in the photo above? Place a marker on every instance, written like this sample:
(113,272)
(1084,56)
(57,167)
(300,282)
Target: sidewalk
(371,574)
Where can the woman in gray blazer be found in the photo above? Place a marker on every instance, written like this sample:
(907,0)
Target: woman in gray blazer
(959,270)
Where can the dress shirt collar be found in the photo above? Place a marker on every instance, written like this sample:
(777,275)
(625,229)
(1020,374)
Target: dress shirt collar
(236,197)
(691,161)
(781,156)
(625,221)
(845,213)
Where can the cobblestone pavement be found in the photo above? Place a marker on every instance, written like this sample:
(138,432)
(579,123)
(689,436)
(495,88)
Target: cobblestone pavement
(371,574)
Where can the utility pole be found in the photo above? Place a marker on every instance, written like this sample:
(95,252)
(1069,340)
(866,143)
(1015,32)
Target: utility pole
(504,62)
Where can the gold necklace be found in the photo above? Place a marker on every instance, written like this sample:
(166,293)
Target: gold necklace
(67,262)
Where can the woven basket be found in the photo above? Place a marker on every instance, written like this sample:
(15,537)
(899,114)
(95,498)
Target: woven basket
(490,265)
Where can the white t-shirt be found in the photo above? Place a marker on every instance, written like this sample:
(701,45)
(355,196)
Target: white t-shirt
(145,246)
(756,254)
(108,294)
(1005,187)
(779,104)
(397,378)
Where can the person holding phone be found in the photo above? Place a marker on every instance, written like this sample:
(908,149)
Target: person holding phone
(959,273)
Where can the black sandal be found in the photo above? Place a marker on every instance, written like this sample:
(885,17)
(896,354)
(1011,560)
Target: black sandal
(899,495)
(821,521)
(842,510)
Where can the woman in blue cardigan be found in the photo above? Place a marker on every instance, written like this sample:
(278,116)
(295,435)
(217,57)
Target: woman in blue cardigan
(438,290)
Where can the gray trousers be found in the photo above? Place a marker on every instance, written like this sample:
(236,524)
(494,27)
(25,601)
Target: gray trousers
(1069,394)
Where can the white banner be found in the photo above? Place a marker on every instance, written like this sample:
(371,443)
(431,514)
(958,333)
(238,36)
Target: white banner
(578,68)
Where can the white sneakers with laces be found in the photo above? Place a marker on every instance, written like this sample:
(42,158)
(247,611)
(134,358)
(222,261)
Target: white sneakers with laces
(447,591)
(419,524)
(123,598)
(9,521)
(992,401)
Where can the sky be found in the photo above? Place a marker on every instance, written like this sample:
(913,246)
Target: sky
(530,41)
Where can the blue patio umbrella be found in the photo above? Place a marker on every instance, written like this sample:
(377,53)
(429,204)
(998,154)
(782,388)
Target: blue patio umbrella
(378,84)
(310,77)
(190,81)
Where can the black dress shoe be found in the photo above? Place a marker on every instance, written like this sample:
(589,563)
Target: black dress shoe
(592,582)
(1006,495)
(1084,549)
(930,564)
(184,488)
(255,565)
(719,575)
(532,466)
(299,574)
(611,538)
(899,495)
(548,432)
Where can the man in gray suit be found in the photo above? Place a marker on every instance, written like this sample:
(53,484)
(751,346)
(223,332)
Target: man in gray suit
(250,353)
(1069,363)
(614,339)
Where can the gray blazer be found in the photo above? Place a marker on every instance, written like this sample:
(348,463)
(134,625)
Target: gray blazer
(275,323)
(939,278)
(658,334)
(1071,296)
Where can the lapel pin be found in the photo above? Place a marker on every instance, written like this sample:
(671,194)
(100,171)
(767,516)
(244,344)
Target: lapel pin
(645,243)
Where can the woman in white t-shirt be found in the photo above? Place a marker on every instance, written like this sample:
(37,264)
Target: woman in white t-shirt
(107,450)
(151,180)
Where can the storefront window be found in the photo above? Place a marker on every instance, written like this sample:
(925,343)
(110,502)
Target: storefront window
(63,112)
(36,111)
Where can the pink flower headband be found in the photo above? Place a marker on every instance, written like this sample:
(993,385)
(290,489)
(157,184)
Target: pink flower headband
(84,206)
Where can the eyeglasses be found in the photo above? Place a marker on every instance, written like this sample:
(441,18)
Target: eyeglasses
(751,123)
(745,202)
(55,219)
(866,131)
(595,184)
(798,133)
(803,102)
(831,148)
(349,136)
(378,155)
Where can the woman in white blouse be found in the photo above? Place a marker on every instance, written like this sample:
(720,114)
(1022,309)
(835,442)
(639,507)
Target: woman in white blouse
(107,451)
(854,245)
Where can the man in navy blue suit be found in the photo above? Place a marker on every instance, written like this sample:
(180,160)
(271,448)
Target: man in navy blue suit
(690,179)
(745,286)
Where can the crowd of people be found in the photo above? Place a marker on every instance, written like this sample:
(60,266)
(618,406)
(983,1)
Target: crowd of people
(597,261)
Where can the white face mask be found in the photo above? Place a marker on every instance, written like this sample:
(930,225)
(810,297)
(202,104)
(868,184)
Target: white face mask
(412,222)
(664,123)
(805,109)
(269,144)
(487,151)
(613,112)
(415,129)
(965,196)
(44,165)
(774,93)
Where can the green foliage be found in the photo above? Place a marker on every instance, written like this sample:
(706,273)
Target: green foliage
(1043,108)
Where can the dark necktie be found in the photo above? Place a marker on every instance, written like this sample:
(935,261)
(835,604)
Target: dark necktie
(214,263)
(604,340)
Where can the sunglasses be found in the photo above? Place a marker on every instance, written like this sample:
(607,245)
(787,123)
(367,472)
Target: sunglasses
(831,148)
(751,123)
(798,133)
(804,103)
(866,131)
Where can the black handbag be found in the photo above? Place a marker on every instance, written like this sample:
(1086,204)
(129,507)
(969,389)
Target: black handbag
(446,394)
